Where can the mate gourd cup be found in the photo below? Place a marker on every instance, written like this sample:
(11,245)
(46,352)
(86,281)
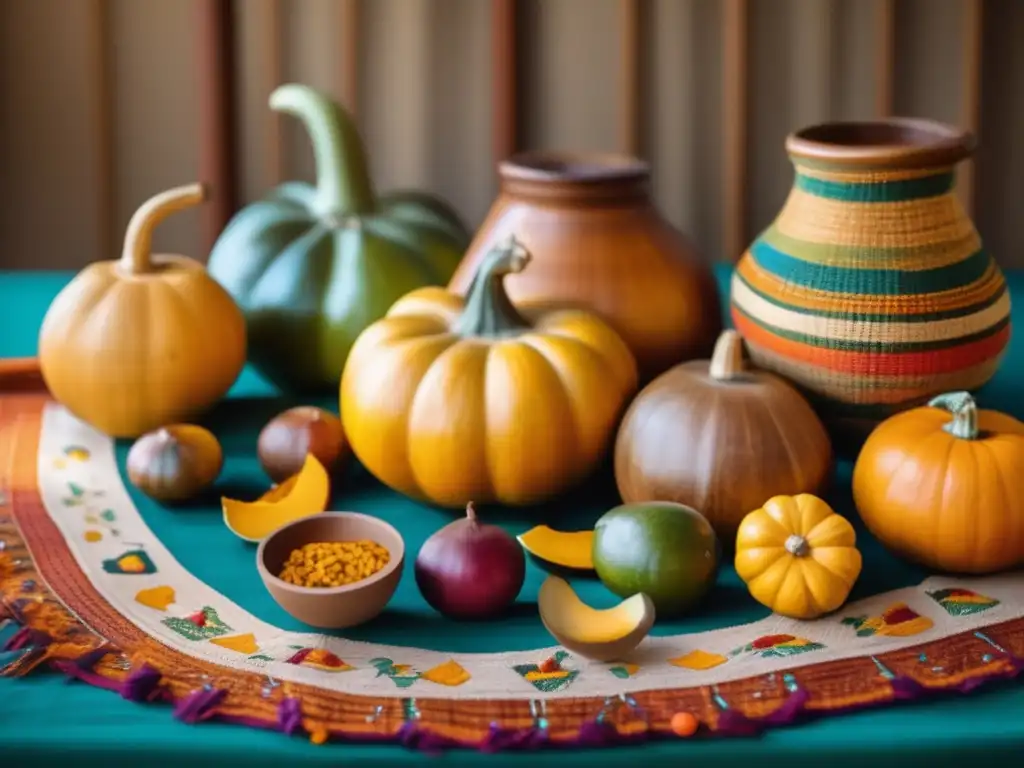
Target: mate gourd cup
(871,289)
(332,607)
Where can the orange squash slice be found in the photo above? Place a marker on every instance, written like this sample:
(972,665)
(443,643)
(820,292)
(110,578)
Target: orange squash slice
(308,493)
(279,491)
(568,550)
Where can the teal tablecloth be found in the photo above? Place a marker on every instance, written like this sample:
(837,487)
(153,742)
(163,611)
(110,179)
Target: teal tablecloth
(46,721)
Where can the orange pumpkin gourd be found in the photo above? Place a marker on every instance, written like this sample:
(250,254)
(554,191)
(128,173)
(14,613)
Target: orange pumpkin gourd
(941,485)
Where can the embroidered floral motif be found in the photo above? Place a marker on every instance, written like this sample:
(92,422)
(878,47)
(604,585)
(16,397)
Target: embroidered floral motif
(548,676)
(958,601)
(157,598)
(777,646)
(624,671)
(239,643)
(79,496)
(201,625)
(133,562)
(91,536)
(72,454)
(402,675)
(318,658)
(898,620)
(698,660)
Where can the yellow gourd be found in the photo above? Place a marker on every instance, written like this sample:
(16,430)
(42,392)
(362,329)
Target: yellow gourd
(144,341)
(451,400)
(797,556)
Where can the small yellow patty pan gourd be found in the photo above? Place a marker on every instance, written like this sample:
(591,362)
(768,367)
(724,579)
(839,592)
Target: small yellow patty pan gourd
(797,556)
(135,344)
(942,486)
(452,400)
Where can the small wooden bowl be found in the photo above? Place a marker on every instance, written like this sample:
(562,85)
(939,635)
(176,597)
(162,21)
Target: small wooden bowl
(332,607)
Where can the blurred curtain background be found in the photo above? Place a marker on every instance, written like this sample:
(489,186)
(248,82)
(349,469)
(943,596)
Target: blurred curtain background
(105,102)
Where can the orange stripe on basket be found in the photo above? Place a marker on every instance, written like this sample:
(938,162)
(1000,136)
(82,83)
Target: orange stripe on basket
(875,363)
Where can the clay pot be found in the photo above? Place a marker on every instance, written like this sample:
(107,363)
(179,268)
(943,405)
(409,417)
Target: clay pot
(598,241)
(871,290)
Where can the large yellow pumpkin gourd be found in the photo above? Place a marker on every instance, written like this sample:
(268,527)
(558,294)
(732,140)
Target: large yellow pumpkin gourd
(144,341)
(942,486)
(450,400)
(797,556)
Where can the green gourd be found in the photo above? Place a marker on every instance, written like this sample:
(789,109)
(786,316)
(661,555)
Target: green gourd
(312,266)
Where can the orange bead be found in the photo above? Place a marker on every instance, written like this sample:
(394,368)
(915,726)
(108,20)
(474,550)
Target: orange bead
(318,736)
(684,724)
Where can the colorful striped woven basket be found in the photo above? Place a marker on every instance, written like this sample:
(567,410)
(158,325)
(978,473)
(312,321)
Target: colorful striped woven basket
(871,290)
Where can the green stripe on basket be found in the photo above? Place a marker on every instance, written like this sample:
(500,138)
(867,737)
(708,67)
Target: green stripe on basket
(870,282)
(889,258)
(877,191)
(869,317)
(886,347)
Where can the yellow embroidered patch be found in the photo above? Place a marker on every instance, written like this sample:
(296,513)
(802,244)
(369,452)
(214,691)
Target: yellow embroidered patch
(239,643)
(450,673)
(157,598)
(698,660)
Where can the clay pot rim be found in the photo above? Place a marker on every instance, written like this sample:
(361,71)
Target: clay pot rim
(397,553)
(573,167)
(899,142)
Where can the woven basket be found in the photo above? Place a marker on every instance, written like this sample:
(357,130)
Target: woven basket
(871,290)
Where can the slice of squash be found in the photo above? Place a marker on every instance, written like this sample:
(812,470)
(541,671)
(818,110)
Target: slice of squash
(571,551)
(599,635)
(308,495)
(280,490)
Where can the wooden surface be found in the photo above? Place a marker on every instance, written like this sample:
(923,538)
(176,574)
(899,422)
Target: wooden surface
(215,52)
(20,374)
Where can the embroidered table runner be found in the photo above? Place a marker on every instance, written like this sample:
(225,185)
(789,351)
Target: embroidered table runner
(944,633)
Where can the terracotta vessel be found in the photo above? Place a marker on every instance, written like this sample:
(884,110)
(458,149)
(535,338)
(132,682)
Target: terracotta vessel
(597,240)
(871,290)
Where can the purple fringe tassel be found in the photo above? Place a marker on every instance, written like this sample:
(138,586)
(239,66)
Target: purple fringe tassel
(143,684)
(499,739)
(26,638)
(733,723)
(413,737)
(196,707)
(289,715)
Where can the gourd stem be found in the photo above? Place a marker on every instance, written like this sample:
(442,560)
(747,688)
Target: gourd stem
(343,184)
(489,312)
(471,512)
(797,546)
(964,423)
(727,359)
(138,238)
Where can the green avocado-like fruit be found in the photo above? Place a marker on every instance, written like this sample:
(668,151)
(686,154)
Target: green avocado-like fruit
(311,266)
(666,550)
